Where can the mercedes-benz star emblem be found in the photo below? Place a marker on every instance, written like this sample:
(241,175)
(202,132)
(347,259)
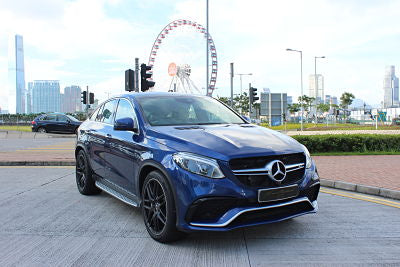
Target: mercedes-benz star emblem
(276,171)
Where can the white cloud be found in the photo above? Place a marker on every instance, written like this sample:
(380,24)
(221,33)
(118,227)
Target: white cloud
(355,37)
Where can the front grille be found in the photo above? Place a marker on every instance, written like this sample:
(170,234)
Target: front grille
(262,180)
(260,162)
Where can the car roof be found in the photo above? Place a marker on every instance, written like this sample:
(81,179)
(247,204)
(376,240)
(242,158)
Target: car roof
(155,94)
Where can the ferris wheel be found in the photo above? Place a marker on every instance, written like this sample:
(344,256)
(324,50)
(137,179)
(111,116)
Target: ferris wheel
(181,75)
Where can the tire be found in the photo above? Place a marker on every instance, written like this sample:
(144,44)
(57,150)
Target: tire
(158,208)
(41,130)
(84,176)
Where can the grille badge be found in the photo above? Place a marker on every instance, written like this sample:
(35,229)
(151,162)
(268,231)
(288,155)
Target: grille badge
(276,171)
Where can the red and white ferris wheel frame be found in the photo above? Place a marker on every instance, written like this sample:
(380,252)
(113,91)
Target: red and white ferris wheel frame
(213,52)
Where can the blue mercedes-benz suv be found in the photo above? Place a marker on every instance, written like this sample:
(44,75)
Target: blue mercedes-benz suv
(192,164)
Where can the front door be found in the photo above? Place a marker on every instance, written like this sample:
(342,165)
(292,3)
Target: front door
(125,148)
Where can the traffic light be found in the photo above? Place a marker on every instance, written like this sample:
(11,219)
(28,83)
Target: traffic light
(84,97)
(145,84)
(129,80)
(253,95)
(91,98)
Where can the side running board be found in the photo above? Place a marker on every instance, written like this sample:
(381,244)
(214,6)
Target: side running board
(116,194)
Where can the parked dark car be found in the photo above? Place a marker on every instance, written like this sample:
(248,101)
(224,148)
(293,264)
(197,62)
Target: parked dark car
(55,123)
(192,164)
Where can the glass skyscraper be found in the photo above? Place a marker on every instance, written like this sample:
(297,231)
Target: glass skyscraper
(72,99)
(390,88)
(46,96)
(16,76)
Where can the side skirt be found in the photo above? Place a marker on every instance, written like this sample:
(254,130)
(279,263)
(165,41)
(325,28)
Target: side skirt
(117,192)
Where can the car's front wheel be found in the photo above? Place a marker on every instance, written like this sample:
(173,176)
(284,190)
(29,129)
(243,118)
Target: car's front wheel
(158,208)
(84,175)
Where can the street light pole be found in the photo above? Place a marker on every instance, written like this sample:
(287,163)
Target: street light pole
(241,86)
(301,82)
(207,31)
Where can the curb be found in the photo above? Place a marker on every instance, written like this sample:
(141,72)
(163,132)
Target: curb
(37,163)
(364,189)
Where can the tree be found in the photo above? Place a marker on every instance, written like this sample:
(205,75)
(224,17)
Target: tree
(224,100)
(323,107)
(346,99)
(293,108)
(307,102)
(241,102)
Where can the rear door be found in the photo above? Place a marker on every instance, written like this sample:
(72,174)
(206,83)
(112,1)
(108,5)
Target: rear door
(49,122)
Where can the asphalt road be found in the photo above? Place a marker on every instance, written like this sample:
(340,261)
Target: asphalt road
(44,221)
(8,145)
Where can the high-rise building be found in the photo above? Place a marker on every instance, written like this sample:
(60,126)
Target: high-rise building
(316,87)
(334,100)
(327,99)
(72,99)
(46,96)
(16,75)
(390,88)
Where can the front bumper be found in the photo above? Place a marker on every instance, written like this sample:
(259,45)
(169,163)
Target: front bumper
(244,208)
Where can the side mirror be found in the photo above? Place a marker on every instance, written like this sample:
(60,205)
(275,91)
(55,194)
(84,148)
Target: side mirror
(125,124)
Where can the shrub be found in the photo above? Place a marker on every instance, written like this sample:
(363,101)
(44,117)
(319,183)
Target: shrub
(350,142)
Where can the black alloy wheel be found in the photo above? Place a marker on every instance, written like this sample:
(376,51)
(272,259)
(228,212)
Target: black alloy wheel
(155,206)
(158,208)
(84,179)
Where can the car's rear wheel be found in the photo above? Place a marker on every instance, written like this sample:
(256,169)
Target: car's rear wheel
(41,130)
(158,208)
(84,176)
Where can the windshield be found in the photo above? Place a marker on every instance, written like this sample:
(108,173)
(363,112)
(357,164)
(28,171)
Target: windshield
(186,110)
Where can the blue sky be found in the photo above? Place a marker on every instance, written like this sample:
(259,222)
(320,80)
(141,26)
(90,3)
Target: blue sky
(92,42)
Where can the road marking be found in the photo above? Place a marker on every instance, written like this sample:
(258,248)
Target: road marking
(36,167)
(364,198)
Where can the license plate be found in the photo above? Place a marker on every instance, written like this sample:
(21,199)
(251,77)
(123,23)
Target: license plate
(280,193)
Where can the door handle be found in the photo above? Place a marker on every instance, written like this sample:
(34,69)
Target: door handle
(109,135)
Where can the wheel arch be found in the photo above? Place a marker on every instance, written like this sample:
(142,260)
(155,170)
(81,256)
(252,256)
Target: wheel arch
(149,166)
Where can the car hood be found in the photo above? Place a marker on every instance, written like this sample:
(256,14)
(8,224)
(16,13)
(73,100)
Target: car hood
(225,142)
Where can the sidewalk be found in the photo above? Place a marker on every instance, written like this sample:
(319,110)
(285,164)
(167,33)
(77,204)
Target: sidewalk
(377,170)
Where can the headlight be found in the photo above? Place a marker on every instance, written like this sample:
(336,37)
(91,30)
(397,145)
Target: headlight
(198,165)
(308,157)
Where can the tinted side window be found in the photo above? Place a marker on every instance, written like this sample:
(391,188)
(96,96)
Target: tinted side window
(62,118)
(50,118)
(124,110)
(108,111)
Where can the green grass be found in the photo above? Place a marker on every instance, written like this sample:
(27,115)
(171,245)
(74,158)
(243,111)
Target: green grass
(356,153)
(16,128)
